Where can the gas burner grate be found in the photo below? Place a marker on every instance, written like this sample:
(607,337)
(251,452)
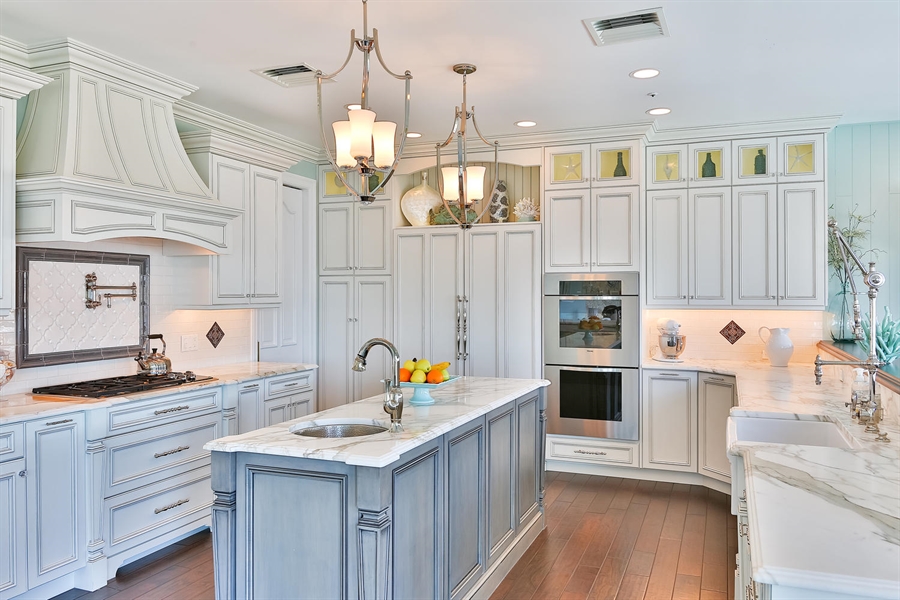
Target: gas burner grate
(118,386)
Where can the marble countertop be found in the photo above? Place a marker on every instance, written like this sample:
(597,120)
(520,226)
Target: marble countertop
(23,407)
(821,518)
(455,404)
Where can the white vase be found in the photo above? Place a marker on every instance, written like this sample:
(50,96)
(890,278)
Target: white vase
(779,346)
(416,203)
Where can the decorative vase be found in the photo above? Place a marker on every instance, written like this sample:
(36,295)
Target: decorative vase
(842,316)
(417,202)
(779,346)
(499,206)
(759,163)
(709,167)
(620,167)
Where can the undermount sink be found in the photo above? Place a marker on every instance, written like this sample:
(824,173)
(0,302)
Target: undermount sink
(337,428)
(789,431)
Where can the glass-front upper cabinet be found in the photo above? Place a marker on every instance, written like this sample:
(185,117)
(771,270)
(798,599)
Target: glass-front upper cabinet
(567,167)
(710,164)
(332,189)
(801,158)
(616,163)
(667,167)
(754,161)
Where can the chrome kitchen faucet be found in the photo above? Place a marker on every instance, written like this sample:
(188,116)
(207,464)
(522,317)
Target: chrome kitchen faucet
(393,396)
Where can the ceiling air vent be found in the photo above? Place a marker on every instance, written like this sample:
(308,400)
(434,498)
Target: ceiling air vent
(290,75)
(629,27)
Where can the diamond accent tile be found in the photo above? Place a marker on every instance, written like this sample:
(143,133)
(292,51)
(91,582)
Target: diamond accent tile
(732,332)
(215,335)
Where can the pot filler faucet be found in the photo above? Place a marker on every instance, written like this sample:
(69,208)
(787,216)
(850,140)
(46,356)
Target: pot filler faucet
(867,410)
(393,396)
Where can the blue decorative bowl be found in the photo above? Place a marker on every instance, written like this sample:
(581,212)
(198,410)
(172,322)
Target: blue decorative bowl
(422,393)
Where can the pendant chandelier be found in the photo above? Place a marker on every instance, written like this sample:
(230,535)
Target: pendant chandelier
(463,184)
(362,144)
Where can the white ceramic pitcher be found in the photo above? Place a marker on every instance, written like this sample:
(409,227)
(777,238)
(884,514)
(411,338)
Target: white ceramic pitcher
(779,346)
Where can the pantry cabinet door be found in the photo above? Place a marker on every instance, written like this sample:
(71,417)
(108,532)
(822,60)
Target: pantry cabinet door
(372,318)
(266,250)
(372,239)
(567,217)
(482,335)
(614,229)
(801,245)
(336,349)
(667,248)
(754,246)
(230,183)
(410,291)
(521,301)
(445,302)
(709,232)
(336,238)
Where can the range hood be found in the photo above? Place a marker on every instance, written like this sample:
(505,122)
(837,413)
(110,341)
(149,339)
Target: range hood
(98,156)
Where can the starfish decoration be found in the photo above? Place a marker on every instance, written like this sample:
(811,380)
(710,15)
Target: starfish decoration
(799,158)
(572,169)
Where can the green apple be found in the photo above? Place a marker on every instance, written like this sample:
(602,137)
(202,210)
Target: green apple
(445,374)
(423,365)
(410,365)
(418,376)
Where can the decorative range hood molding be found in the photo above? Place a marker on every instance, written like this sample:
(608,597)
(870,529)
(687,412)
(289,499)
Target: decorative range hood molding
(98,156)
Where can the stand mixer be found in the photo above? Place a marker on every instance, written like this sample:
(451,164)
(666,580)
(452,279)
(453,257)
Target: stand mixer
(671,343)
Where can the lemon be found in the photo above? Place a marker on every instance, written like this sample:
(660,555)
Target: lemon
(418,376)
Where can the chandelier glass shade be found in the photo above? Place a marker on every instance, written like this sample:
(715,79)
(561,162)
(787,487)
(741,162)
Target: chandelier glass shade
(463,184)
(363,145)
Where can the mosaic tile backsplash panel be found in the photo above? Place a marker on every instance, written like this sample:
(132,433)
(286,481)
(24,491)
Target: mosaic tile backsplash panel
(59,321)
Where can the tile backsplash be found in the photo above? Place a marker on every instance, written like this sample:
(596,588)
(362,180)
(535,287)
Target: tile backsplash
(165,318)
(704,340)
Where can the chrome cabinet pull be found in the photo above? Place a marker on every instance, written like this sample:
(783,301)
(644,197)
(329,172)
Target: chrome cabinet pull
(169,410)
(292,384)
(715,379)
(171,506)
(250,387)
(458,327)
(465,318)
(58,422)
(590,452)
(669,375)
(173,451)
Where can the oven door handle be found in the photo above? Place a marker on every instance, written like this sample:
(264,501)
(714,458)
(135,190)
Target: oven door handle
(590,297)
(594,369)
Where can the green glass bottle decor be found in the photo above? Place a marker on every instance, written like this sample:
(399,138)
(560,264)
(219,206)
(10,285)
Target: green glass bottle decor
(709,167)
(620,167)
(759,163)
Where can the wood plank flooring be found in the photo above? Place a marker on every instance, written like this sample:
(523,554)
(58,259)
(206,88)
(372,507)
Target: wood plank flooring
(605,538)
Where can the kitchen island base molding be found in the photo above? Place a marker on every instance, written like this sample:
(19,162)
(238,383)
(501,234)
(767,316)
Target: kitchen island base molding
(638,473)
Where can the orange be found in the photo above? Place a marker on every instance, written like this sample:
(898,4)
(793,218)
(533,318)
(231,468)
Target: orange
(404,375)
(434,377)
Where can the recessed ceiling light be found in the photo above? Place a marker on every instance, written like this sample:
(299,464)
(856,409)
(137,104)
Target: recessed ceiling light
(659,111)
(353,106)
(413,134)
(526,123)
(644,73)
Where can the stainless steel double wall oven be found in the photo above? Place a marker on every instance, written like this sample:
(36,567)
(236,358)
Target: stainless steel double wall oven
(592,354)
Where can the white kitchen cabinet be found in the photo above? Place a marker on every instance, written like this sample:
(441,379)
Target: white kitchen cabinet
(331,189)
(286,408)
(715,397)
(56,514)
(669,421)
(352,310)
(689,247)
(755,245)
(249,399)
(354,238)
(567,167)
(7,204)
(802,245)
(801,158)
(710,164)
(13,536)
(667,167)
(592,230)
(471,297)
(230,182)
(616,164)
(265,197)
(754,161)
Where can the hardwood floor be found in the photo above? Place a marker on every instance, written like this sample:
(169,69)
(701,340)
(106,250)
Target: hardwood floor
(605,538)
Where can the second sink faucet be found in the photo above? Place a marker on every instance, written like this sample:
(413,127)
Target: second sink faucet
(393,396)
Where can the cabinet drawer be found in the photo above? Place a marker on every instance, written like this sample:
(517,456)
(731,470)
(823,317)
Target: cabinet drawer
(288,384)
(12,441)
(132,416)
(146,456)
(149,512)
(590,452)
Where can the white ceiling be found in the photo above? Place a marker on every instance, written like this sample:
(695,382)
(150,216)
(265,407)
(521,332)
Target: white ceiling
(723,62)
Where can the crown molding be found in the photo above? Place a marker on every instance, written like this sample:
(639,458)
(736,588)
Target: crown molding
(242,149)
(16,81)
(239,136)
(13,51)
(822,124)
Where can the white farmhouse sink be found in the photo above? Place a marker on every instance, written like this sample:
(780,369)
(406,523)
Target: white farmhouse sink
(789,431)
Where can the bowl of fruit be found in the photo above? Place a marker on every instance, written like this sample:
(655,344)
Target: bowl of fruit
(423,377)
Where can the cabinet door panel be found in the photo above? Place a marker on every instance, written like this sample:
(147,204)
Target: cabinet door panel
(445,283)
(801,158)
(410,292)
(567,167)
(614,229)
(8,205)
(56,526)
(709,232)
(715,398)
(501,480)
(754,243)
(710,164)
(373,320)
(801,243)
(530,462)
(667,167)
(754,161)
(249,407)
(230,183)
(484,307)
(373,239)
(13,544)
(669,416)
(616,164)
(303,404)
(667,242)
(336,238)
(520,306)
(465,508)
(266,196)
(568,231)
(335,340)
(277,410)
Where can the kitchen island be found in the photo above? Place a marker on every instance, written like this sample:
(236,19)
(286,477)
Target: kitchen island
(442,509)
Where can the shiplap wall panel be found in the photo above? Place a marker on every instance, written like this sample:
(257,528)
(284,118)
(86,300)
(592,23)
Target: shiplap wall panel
(864,171)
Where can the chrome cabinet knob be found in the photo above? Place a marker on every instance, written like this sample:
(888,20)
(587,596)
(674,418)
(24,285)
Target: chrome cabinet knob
(22,473)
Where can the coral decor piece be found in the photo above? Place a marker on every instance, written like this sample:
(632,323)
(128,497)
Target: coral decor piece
(732,332)
(526,209)
(215,335)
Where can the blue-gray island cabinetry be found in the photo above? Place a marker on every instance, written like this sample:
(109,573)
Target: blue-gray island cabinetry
(441,510)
